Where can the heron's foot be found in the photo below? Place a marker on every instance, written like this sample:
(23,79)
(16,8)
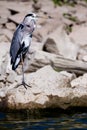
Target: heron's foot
(24,84)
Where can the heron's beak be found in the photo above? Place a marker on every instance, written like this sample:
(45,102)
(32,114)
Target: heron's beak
(47,17)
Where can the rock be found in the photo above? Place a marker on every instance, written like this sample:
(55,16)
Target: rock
(82,52)
(79,86)
(2,81)
(84,58)
(4,46)
(2,77)
(3,20)
(36,6)
(45,28)
(35,46)
(2,84)
(3,38)
(4,13)
(19,7)
(48,89)
(3,65)
(58,42)
(39,59)
(1,26)
(10,26)
(11,78)
(17,18)
(80,10)
(80,82)
(7,33)
(70,75)
(79,35)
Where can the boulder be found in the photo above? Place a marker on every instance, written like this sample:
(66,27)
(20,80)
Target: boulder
(80,82)
(4,46)
(79,86)
(45,26)
(4,13)
(3,20)
(17,18)
(10,26)
(7,33)
(39,59)
(48,89)
(3,38)
(78,35)
(18,7)
(58,42)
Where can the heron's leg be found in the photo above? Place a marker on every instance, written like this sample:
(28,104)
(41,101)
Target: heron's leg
(23,79)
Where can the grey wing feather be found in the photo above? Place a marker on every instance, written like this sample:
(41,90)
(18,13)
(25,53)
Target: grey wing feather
(15,45)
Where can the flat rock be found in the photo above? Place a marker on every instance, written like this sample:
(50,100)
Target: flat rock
(80,10)
(84,58)
(79,35)
(7,33)
(4,13)
(16,6)
(35,46)
(58,42)
(45,26)
(11,77)
(3,38)
(79,86)
(4,50)
(48,89)
(17,18)
(10,26)
(80,82)
(3,20)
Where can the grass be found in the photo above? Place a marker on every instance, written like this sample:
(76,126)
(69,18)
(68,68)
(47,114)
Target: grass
(62,2)
(68,28)
(70,17)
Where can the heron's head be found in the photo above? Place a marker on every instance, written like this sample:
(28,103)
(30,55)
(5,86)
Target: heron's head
(30,21)
(31,16)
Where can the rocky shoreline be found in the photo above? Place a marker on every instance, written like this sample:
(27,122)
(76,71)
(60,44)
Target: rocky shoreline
(62,87)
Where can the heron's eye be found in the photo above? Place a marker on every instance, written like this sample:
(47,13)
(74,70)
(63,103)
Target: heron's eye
(28,26)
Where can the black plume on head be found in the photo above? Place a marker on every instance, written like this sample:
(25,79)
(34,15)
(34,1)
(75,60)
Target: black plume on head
(29,15)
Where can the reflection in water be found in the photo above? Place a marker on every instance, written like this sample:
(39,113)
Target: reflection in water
(47,121)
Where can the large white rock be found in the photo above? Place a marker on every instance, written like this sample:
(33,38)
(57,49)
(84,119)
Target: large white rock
(58,42)
(79,35)
(48,89)
(4,46)
(79,86)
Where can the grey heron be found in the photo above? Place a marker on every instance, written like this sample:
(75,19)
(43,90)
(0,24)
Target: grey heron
(21,42)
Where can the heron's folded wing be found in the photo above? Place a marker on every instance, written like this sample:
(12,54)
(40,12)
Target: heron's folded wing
(15,45)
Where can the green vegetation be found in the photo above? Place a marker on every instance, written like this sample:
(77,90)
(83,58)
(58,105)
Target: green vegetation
(61,2)
(68,2)
(70,17)
(85,0)
(68,28)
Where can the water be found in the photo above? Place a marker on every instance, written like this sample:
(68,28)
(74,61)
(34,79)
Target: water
(46,121)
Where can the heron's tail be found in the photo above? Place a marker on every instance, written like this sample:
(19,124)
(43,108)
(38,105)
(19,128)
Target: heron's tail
(16,63)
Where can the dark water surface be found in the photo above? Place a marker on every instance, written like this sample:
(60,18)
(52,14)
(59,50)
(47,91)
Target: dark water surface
(51,120)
